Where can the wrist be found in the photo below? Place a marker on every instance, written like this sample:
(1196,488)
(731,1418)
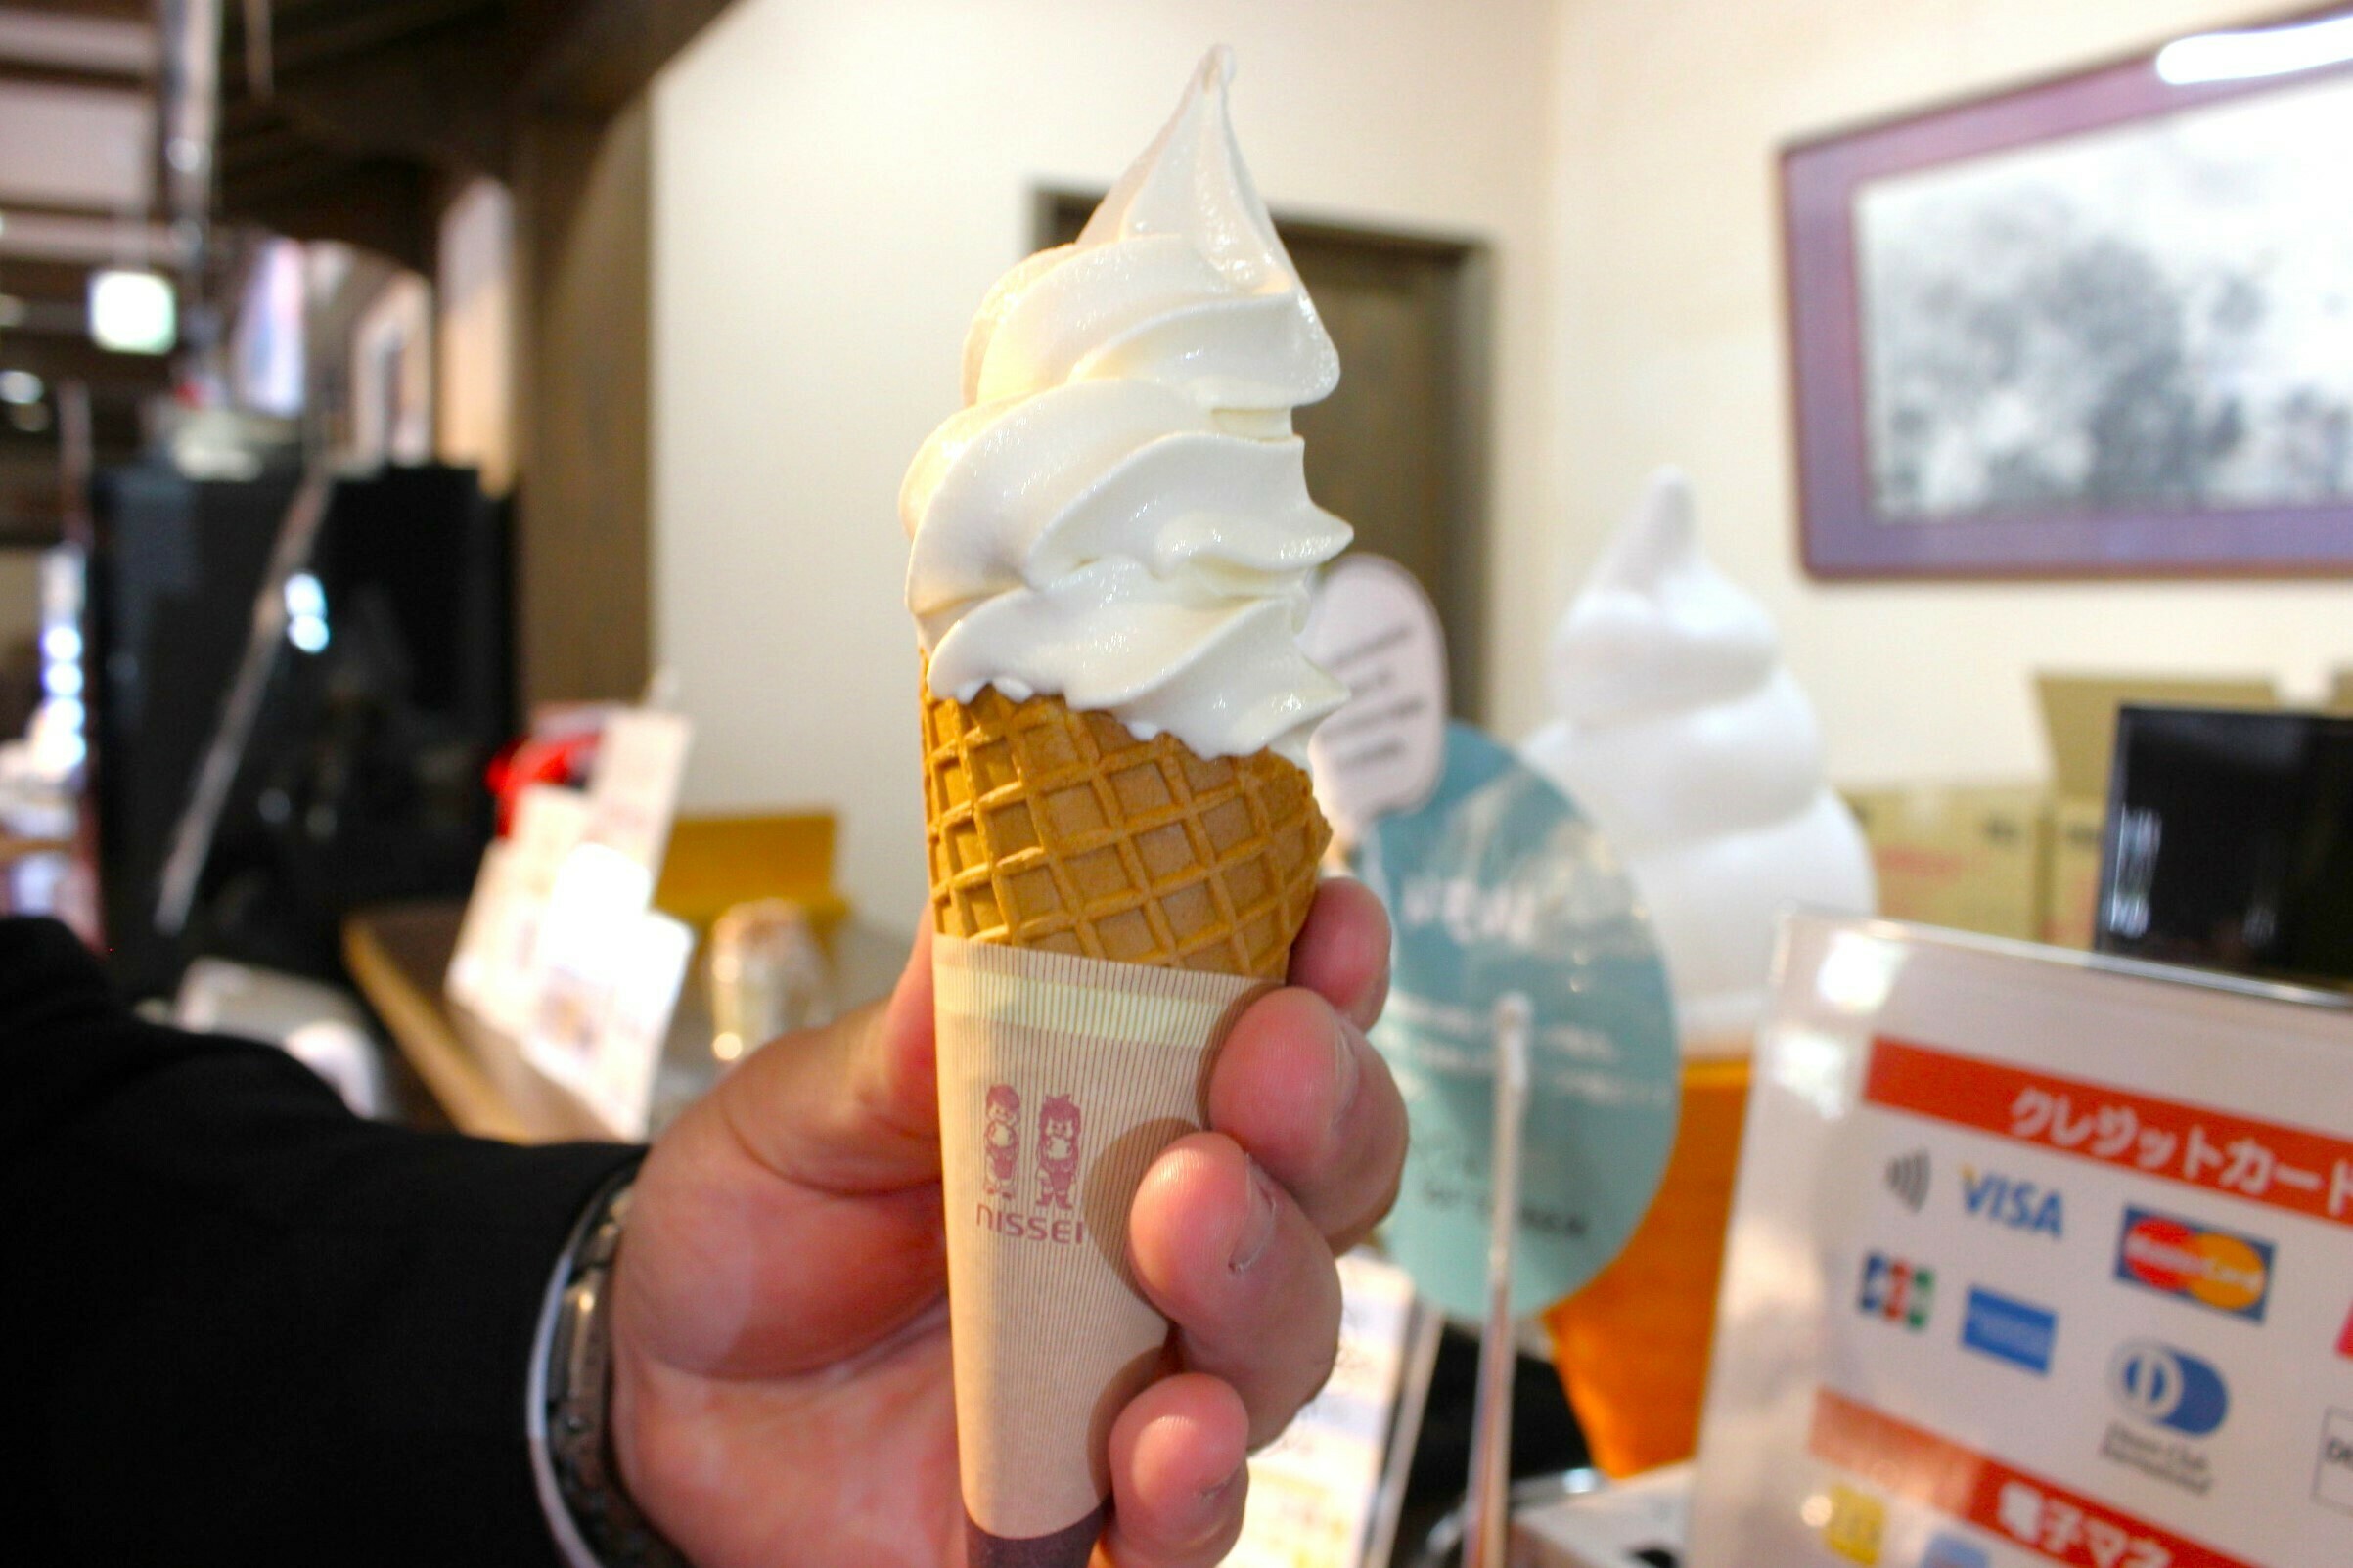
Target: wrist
(571,1402)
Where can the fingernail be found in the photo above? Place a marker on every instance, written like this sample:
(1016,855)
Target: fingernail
(1217,1491)
(1346,1071)
(1258,1227)
(1212,1504)
(1212,1499)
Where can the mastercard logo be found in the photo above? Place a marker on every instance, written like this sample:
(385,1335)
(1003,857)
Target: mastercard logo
(2173,1257)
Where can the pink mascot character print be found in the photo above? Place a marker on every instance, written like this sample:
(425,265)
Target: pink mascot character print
(1057,1151)
(1001,1142)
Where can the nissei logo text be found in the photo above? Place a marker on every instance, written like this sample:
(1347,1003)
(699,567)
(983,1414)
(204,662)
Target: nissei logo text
(2168,1387)
(2175,1257)
(2019,1205)
(1897,1290)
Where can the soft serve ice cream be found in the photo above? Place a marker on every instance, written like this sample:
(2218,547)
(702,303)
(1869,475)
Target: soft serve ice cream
(1119,516)
(1111,551)
(1685,738)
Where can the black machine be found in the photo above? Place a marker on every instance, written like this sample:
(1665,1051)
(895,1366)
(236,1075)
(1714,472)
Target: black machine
(374,660)
(2230,842)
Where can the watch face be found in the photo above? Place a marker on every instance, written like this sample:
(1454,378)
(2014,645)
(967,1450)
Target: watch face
(2229,842)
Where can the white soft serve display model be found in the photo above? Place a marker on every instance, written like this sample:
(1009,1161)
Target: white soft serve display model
(1684,736)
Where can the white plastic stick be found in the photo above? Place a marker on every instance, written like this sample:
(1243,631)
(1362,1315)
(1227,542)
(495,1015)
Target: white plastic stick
(1489,1523)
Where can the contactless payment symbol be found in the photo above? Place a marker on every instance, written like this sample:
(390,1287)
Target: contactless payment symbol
(2216,1268)
(1907,1178)
(2168,1387)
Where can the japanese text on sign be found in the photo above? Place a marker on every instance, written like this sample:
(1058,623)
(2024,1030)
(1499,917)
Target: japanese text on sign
(2288,1168)
(2041,1515)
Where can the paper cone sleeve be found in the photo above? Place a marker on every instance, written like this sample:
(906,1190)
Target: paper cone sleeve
(1061,1080)
(1105,905)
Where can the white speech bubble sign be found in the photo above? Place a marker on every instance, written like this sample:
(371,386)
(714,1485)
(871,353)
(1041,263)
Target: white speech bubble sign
(1373,627)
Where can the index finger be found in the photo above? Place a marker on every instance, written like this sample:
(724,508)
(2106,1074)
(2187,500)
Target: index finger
(1342,952)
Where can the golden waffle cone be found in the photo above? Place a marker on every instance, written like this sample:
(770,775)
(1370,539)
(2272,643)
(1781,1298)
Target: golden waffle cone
(1060,832)
(1104,907)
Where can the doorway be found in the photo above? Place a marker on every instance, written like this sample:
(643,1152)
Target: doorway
(1399,450)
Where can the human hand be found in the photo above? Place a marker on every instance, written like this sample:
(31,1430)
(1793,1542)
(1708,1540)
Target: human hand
(781,1388)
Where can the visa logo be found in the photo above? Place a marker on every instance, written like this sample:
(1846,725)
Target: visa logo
(2016,1206)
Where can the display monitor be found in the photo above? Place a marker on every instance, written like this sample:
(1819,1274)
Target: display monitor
(2229,842)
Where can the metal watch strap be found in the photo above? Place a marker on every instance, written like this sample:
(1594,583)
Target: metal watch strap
(579,1401)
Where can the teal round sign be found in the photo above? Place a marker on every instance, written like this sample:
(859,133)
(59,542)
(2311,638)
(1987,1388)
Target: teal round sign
(1496,886)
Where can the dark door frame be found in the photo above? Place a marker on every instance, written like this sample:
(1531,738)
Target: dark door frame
(1058,213)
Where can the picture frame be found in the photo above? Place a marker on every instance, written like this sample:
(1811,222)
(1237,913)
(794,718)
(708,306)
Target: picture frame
(2083,327)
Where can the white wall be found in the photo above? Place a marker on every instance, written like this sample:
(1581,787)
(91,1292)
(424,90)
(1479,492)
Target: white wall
(836,186)
(1668,347)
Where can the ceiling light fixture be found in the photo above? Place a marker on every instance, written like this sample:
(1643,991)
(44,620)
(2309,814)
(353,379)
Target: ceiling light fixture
(2267,52)
(21,386)
(133,312)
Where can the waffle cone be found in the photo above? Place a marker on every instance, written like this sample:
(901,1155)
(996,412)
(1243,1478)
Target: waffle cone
(1060,832)
(1106,907)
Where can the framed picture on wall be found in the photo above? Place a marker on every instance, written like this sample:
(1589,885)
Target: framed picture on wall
(2102,325)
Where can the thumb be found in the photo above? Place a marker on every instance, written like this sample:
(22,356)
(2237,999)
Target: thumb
(852,1107)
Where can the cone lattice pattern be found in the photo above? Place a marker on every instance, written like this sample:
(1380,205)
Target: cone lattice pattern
(1062,832)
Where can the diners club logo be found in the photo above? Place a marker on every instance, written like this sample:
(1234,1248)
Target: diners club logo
(1051,1214)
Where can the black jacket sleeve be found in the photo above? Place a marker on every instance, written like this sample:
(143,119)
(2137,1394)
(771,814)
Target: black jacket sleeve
(239,1324)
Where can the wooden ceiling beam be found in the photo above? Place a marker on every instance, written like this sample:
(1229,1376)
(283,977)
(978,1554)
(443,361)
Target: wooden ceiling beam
(427,80)
(58,358)
(321,35)
(382,204)
(117,10)
(42,73)
(118,51)
(41,287)
(594,56)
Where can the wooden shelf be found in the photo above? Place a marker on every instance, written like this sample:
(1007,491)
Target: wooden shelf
(397,955)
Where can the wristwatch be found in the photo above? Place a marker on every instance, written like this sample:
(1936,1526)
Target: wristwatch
(594,1521)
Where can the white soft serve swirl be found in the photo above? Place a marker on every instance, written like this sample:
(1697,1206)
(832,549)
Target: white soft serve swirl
(1120,515)
(1689,742)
